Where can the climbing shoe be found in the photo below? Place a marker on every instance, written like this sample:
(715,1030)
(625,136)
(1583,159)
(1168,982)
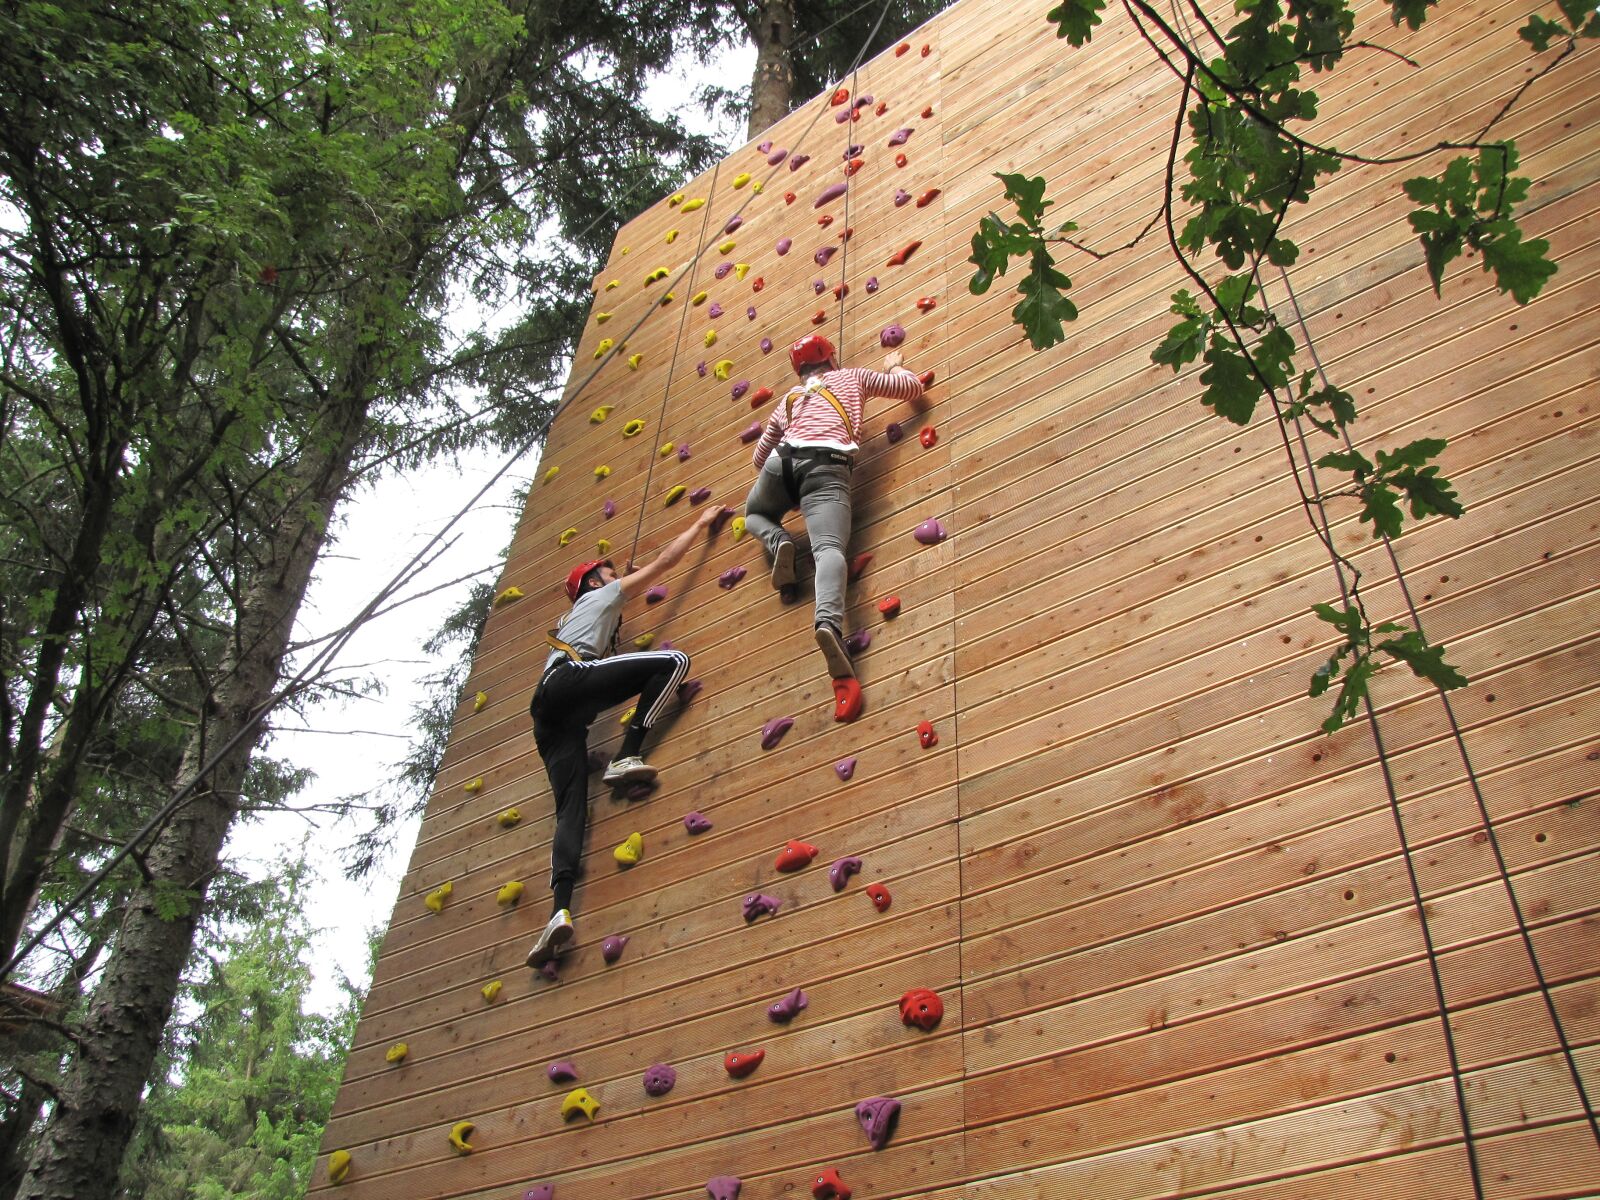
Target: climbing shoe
(783,563)
(556,935)
(832,646)
(628,770)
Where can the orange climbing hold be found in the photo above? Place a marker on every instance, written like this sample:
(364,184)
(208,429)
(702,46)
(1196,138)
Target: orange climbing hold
(901,49)
(889,606)
(820,318)
(926,304)
(883,107)
(854,165)
(927,197)
(900,257)
(760,396)
(926,379)
(926,50)
(795,855)
(847,699)
(927,113)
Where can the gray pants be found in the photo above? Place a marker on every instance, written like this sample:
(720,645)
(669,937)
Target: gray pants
(825,504)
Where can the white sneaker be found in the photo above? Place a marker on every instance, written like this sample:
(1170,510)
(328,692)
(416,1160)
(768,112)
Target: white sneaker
(556,935)
(783,563)
(628,770)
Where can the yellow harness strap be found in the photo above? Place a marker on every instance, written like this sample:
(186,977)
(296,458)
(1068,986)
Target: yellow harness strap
(826,394)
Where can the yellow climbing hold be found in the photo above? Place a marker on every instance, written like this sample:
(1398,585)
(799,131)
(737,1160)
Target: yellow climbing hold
(509,818)
(435,899)
(630,851)
(613,283)
(491,990)
(397,1052)
(725,247)
(509,893)
(338,1166)
(644,641)
(658,273)
(624,250)
(758,187)
(605,344)
(740,270)
(665,449)
(742,178)
(737,525)
(459,1133)
(509,596)
(723,369)
(675,200)
(672,236)
(473,786)
(601,413)
(633,428)
(699,299)
(674,494)
(579,1101)
(602,471)
(603,545)
(634,360)
(601,318)
(627,716)
(479,700)
(711,337)
(667,299)
(567,534)
(691,205)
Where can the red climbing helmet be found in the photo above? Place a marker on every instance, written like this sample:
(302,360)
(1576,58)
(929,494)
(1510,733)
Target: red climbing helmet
(575,576)
(811,350)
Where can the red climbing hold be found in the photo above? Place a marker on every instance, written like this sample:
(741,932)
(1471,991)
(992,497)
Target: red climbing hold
(788,197)
(926,735)
(927,112)
(855,116)
(840,96)
(841,290)
(926,304)
(879,895)
(883,107)
(820,318)
(795,855)
(848,232)
(854,165)
(928,437)
(859,564)
(739,1063)
(828,1186)
(901,49)
(846,699)
(760,396)
(759,283)
(900,160)
(926,378)
(921,1007)
(927,197)
(889,606)
(901,256)
(926,50)
(825,220)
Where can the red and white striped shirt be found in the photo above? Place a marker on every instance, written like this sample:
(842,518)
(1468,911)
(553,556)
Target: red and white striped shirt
(816,422)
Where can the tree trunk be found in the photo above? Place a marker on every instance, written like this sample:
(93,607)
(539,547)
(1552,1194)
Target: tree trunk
(772,86)
(80,1153)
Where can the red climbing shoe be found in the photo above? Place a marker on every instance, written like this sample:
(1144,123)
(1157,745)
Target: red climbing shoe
(832,646)
(846,699)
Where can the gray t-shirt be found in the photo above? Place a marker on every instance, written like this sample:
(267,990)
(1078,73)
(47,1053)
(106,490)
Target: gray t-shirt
(591,626)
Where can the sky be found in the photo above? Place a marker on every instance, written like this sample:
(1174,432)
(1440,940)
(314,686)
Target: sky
(354,744)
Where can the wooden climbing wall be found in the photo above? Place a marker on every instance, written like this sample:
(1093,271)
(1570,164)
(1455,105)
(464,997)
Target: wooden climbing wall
(1171,922)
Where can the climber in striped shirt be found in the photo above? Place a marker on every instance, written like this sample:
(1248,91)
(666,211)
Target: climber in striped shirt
(815,430)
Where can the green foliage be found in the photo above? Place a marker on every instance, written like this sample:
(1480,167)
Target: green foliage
(1582,20)
(1076,19)
(1044,307)
(1352,664)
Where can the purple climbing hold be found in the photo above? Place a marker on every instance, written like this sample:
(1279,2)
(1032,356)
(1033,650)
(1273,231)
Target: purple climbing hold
(930,532)
(901,197)
(783,246)
(855,149)
(656,594)
(599,760)
(564,1071)
(609,509)
(763,147)
(750,313)
(683,452)
(700,368)
(659,1079)
(766,345)
(832,192)
(696,822)
(798,161)
(863,101)
(688,690)
(540,1191)
(891,336)
(777,156)
(700,495)
(785,1010)
(899,136)
(759,904)
(551,970)
(819,286)
(824,253)
(858,641)
(845,768)
(751,432)
(722,271)
(611,949)
(772,732)
(893,432)
(740,388)
(843,115)
(714,311)
(724,1187)
(733,223)
(639,789)
(878,1117)
(839,874)
(872,283)
(730,577)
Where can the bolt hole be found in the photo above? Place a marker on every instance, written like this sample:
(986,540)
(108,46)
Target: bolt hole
(1349,895)
(1389,1057)
(1541,837)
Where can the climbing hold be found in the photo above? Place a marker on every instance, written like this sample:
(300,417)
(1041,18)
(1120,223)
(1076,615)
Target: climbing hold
(688,690)
(740,388)
(760,396)
(891,336)
(434,901)
(714,311)
(766,345)
(900,257)
(889,606)
(859,564)
(733,223)
(819,318)
(763,147)
(928,436)
(723,369)
(785,1010)
(828,1186)
(789,197)
(926,380)
(634,360)
(740,270)
(759,904)
(750,312)
(832,192)
(772,732)
(926,735)
(700,368)
(726,246)
(901,49)
(562,1071)
(927,112)
(597,760)
(656,594)
(396,1053)
(926,50)
(674,494)
(711,337)
(926,303)
(751,432)
(872,283)
(600,318)
(723,270)
(839,118)
(611,949)
(509,818)
(730,577)
(878,1117)
(691,205)
(633,428)
(658,274)
(931,532)
(759,283)
(901,197)
(841,290)
(613,284)
(473,786)
(540,1191)
(604,345)
(683,452)
(724,515)
(825,220)
(840,96)
(858,641)
(921,1007)
(783,246)
(698,298)
(509,893)
(601,413)
(672,236)
(643,642)
(700,495)
(819,286)
(742,178)
(724,1187)
(839,874)
(893,432)
(795,855)
(630,851)
(844,769)
(609,508)
(568,533)
(737,525)
(339,1166)
(551,970)
(849,232)
(900,160)
(739,1063)
(479,700)
(824,253)
(491,990)
(646,638)
(659,1079)
(579,1101)
(668,299)
(927,197)
(879,895)
(777,156)
(847,699)
(696,822)
(900,136)
(883,107)
(854,165)
(602,471)
(675,199)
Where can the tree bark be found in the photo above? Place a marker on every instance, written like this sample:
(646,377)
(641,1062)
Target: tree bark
(772,86)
